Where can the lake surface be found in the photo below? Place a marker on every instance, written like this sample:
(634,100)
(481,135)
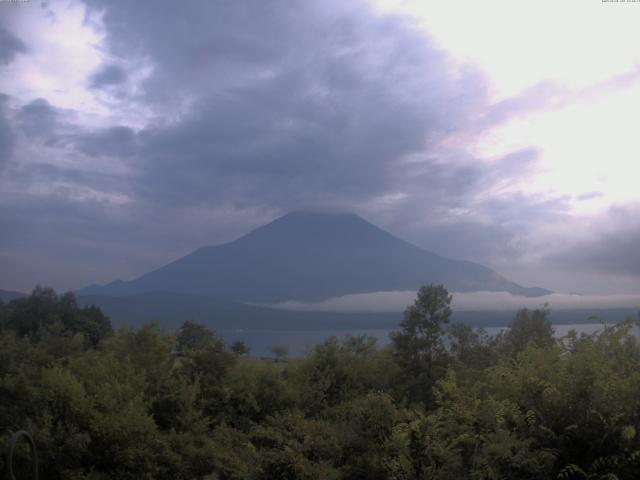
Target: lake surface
(300,342)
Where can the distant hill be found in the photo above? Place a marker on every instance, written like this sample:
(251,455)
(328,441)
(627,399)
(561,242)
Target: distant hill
(311,256)
(8,295)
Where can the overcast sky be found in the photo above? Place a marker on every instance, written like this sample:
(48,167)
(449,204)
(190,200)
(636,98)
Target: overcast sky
(507,133)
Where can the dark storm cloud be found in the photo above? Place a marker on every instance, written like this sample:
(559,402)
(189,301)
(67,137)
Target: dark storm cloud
(10,46)
(290,105)
(611,247)
(209,46)
(108,76)
(280,144)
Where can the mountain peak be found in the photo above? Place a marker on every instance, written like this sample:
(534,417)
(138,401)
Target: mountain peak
(319,213)
(319,216)
(319,229)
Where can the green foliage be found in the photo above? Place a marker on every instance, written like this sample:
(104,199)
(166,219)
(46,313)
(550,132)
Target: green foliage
(473,348)
(240,348)
(292,447)
(419,349)
(338,371)
(43,314)
(530,326)
(193,336)
(367,425)
(152,404)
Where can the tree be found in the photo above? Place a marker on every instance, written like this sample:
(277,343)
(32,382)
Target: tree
(194,336)
(35,315)
(44,315)
(292,447)
(240,348)
(530,326)
(370,451)
(463,340)
(419,344)
(280,353)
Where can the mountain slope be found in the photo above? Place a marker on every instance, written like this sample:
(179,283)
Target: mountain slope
(311,256)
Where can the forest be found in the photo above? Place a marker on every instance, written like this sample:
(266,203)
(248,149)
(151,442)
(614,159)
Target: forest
(442,401)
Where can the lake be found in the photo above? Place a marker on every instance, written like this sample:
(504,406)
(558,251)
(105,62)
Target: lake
(300,342)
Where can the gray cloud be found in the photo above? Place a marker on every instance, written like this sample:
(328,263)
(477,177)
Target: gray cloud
(40,120)
(589,196)
(521,209)
(454,180)
(472,225)
(10,46)
(112,141)
(108,76)
(56,127)
(546,94)
(290,106)
(6,133)
(612,246)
